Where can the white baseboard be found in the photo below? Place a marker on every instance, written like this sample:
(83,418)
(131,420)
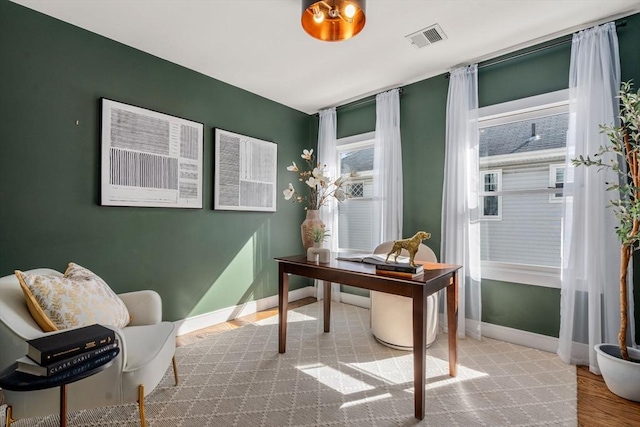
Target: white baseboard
(515,336)
(524,338)
(205,320)
(357,300)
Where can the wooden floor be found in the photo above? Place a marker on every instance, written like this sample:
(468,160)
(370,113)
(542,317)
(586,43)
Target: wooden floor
(238,323)
(597,406)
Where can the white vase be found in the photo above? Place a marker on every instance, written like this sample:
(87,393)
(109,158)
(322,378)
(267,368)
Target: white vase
(317,253)
(621,376)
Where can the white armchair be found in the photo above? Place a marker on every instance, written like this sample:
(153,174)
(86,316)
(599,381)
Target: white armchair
(147,347)
(391,315)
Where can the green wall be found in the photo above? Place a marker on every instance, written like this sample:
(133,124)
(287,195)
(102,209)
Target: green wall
(529,308)
(201,260)
(423,116)
(529,75)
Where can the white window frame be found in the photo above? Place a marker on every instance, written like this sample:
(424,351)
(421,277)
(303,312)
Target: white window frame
(523,109)
(483,194)
(349,143)
(553,182)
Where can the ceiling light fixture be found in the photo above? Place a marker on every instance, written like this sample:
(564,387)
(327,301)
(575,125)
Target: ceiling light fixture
(333,20)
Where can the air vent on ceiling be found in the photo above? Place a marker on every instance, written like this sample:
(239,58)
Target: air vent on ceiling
(426,36)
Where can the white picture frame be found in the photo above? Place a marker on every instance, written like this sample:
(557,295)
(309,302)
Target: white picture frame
(245,173)
(150,159)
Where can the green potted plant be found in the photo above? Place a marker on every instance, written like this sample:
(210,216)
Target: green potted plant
(620,365)
(318,234)
(316,253)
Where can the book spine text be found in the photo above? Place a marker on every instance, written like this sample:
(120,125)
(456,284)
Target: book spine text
(65,364)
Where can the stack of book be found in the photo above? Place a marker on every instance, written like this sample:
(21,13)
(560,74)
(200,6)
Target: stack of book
(402,270)
(399,268)
(56,353)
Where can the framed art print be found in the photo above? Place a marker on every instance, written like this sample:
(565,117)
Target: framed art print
(149,158)
(245,173)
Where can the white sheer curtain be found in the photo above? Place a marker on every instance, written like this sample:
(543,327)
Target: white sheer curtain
(460,210)
(327,131)
(589,309)
(387,169)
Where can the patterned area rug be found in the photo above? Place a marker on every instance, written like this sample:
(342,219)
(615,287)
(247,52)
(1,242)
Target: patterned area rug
(345,378)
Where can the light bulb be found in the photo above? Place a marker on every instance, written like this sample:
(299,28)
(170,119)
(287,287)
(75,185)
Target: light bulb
(318,17)
(350,11)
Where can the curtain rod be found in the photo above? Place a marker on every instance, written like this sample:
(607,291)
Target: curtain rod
(362,101)
(515,55)
(509,57)
(562,40)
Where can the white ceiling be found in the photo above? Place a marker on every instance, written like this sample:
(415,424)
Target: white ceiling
(259,45)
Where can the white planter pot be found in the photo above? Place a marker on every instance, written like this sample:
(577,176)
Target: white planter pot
(317,253)
(621,376)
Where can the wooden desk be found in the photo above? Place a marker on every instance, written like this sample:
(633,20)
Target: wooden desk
(436,276)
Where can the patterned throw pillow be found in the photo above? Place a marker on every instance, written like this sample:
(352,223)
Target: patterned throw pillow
(80,298)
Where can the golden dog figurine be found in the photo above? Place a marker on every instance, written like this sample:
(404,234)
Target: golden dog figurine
(411,245)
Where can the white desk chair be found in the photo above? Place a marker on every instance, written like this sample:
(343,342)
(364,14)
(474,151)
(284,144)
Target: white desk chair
(391,315)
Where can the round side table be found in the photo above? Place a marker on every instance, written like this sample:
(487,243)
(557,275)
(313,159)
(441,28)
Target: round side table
(11,379)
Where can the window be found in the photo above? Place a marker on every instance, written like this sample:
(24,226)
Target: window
(522,157)
(491,183)
(356,189)
(556,180)
(354,216)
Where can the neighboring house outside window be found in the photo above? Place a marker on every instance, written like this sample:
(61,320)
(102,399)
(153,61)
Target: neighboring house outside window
(353,222)
(556,180)
(490,205)
(523,145)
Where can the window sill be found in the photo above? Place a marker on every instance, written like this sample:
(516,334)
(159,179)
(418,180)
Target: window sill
(535,275)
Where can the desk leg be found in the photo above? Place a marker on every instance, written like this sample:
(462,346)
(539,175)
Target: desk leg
(327,305)
(419,349)
(452,321)
(63,405)
(283,300)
